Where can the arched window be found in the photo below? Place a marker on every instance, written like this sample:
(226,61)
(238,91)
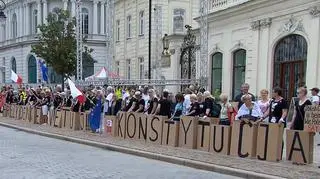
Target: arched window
(54,12)
(85,21)
(87,68)
(178,20)
(290,61)
(14,65)
(32,69)
(239,71)
(216,75)
(141,22)
(34,21)
(14,25)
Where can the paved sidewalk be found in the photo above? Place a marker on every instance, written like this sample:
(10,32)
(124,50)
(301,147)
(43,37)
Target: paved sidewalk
(282,169)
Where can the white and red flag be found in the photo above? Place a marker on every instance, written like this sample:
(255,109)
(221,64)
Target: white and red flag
(75,92)
(15,78)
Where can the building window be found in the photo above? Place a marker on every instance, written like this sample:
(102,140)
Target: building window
(32,69)
(141,68)
(13,65)
(141,23)
(118,68)
(178,20)
(55,12)
(216,76)
(129,27)
(14,25)
(118,30)
(128,69)
(239,71)
(35,21)
(85,21)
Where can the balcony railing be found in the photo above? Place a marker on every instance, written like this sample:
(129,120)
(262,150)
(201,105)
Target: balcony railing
(218,5)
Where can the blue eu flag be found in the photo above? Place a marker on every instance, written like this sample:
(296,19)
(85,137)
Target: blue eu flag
(44,70)
(95,116)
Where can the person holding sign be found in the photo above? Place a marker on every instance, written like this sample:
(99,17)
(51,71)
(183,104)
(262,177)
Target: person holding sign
(249,110)
(278,107)
(264,104)
(227,111)
(298,114)
(195,107)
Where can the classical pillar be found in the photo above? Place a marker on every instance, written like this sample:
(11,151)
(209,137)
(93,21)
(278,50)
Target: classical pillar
(65,4)
(8,24)
(20,22)
(102,17)
(95,17)
(27,22)
(45,11)
(73,8)
(39,15)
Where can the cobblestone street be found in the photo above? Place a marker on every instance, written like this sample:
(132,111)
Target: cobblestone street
(24,156)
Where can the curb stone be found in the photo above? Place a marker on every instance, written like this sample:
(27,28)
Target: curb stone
(150,155)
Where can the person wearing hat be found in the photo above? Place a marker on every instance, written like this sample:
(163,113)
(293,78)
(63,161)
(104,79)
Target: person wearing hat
(314,96)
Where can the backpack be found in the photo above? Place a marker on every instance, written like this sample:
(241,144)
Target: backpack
(216,108)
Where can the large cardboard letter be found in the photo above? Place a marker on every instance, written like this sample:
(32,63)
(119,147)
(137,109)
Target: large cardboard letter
(122,125)
(155,124)
(188,132)
(220,139)
(203,140)
(131,123)
(142,126)
(299,146)
(244,139)
(170,133)
(269,141)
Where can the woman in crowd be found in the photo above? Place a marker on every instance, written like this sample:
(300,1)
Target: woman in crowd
(298,114)
(152,102)
(200,101)
(178,108)
(249,110)
(278,107)
(195,107)
(115,106)
(207,104)
(264,103)
(163,108)
(138,103)
(129,100)
(226,110)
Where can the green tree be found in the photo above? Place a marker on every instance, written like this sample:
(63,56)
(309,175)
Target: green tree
(57,44)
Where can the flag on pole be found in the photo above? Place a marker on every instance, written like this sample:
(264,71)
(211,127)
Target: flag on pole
(75,92)
(16,78)
(95,116)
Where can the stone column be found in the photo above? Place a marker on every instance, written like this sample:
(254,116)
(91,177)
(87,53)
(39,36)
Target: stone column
(20,22)
(73,8)
(102,17)
(65,4)
(95,17)
(39,15)
(8,24)
(45,11)
(27,24)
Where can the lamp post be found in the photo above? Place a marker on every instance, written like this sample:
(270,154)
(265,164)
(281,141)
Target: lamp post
(2,7)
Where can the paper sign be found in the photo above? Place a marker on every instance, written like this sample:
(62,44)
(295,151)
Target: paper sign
(299,146)
(155,127)
(243,139)
(269,141)
(312,118)
(188,132)
(220,139)
(111,125)
(58,120)
(203,136)
(170,133)
(75,121)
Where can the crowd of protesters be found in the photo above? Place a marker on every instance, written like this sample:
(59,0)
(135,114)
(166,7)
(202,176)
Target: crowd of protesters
(192,102)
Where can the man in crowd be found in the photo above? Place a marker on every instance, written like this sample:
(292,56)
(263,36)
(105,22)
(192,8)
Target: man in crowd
(244,90)
(315,98)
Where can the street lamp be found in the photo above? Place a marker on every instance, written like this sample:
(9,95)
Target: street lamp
(2,7)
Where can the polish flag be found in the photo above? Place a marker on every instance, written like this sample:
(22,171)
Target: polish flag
(16,78)
(75,92)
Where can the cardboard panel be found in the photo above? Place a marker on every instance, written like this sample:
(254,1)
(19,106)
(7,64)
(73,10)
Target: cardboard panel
(33,115)
(5,110)
(142,126)
(269,141)
(131,126)
(312,118)
(299,146)
(188,132)
(203,136)
(67,118)
(81,123)
(18,112)
(58,120)
(154,129)
(75,121)
(122,125)
(38,118)
(111,125)
(170,133)
(244,139)
(215,120)
(220,139)
(27,114)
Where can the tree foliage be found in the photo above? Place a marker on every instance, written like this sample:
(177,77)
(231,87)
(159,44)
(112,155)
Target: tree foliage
(57,43)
